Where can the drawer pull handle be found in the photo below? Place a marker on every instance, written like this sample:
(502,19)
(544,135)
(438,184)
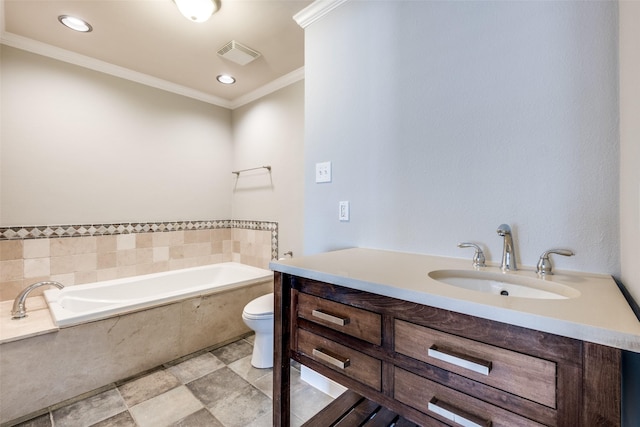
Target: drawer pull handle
(456,415)
(477,365)
(341,321)
(331,358)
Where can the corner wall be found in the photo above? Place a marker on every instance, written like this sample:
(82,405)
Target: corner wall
(455,117)
(270,131)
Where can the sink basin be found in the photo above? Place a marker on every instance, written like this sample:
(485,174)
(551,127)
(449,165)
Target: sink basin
(509,285)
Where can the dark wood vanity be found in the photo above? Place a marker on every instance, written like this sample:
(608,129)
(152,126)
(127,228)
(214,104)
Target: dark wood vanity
(436,367)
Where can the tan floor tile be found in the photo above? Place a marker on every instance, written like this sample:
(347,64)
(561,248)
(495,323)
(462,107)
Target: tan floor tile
(148,386)
(91,410)
(166,409)
(196,367)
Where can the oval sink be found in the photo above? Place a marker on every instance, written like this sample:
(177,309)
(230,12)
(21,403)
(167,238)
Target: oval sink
(498,283)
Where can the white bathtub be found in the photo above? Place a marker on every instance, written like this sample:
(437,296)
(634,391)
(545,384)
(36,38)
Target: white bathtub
(86,303)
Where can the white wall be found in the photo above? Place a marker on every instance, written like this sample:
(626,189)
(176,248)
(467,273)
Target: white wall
(630,145)
(445,119)
(270,131)
(81,147)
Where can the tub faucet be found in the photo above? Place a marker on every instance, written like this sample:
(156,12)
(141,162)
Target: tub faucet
(508,251)
(19,310)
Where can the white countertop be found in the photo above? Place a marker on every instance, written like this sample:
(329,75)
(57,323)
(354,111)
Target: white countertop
(600,314)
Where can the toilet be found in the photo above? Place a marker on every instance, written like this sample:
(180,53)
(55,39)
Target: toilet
(258,315)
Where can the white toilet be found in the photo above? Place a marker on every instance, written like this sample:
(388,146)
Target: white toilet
(258,315)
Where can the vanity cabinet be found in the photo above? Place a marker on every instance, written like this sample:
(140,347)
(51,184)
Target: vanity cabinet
(437,367)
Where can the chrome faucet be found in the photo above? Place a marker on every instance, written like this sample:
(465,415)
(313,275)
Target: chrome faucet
(508,251)
(19,310)
(544,267)
(478,256)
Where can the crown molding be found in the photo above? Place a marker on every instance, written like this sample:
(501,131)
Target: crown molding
(44,49)
(315,11)
(277,84)
(70,57)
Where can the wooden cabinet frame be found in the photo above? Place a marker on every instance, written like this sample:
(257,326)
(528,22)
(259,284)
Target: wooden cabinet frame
(588,375)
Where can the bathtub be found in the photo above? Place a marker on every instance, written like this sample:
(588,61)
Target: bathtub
(86,303)
(117,329)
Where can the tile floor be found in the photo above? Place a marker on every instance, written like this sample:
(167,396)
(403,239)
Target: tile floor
(219,388)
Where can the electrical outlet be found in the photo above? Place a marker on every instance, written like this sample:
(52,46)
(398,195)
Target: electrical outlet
(323,172)
(343,211)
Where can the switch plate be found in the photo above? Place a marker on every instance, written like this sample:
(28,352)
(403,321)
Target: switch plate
(343,211)
(323,172)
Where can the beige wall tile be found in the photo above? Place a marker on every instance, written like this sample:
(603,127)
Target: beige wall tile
(216,246)
(11,270)
(68,279)
(62,264)
(83,277)
(161,239)
(11,249)
(106,244)
(144,240)
(106,260)
(37,267)
(85,262)
(96,258)
(125,241)
(144,256)
(192,236)
(107,274)
(176,252)
(126,257)
(126,271)
(62,247)
(177,264)
(144,269)
(36,248)
(176,238)
(84,245)
(160,266)
(197,249)
(161,254)
(10,289)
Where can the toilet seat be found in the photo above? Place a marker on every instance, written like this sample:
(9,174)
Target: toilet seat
(259,308)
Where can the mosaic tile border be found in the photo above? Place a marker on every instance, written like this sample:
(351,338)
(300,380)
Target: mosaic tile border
(60,231)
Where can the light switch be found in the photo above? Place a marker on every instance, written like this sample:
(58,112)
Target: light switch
(343,211)
(323,172)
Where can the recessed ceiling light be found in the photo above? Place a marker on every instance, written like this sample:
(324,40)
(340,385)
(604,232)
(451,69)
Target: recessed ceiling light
(74,23)
(226,79)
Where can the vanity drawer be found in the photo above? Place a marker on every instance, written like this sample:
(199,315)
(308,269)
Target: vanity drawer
(437,400)
(340,358)
(516,373)
(350,320)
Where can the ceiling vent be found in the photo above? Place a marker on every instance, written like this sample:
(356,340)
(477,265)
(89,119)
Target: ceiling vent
(238,53)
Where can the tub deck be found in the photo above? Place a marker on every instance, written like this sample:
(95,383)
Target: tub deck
(37,322)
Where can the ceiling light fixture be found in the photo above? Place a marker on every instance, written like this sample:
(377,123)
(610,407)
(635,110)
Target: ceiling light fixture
(226,79)
(197,10)
(75,23)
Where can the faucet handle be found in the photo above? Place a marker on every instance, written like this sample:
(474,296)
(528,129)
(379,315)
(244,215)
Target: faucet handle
(544,263)
(478,256)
